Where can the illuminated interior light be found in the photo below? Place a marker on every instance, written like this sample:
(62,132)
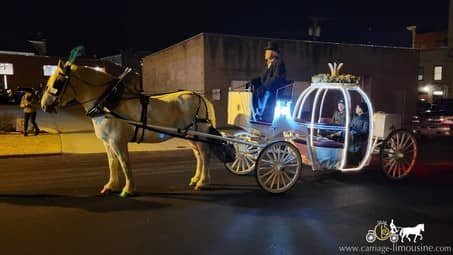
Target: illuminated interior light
(282,110)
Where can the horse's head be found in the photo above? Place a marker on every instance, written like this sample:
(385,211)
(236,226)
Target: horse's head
(56,92)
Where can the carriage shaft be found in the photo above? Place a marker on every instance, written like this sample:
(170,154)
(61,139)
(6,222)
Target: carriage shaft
(185,134)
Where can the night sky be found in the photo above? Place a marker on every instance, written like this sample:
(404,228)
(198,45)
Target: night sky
(106,27)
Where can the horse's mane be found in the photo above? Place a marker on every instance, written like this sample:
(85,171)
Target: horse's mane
(99,77)
(95,77)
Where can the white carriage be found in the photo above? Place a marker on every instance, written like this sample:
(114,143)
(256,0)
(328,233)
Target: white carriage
(278,151)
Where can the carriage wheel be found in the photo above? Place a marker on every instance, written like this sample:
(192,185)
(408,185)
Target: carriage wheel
(246,156)
(370,236)
(278,167)
(394,238)
(398,154)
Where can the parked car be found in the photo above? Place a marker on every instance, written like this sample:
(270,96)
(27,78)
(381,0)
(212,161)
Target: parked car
(435,121)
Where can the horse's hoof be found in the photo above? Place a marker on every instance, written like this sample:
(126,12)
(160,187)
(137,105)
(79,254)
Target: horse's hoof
(199,187)
(126,194)
(106,192)
(193,182)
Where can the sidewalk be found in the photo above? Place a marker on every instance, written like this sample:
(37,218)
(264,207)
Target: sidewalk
(18,145)
(75,143)
(69,131)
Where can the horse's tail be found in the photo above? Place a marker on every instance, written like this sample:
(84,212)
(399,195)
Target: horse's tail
(210,111)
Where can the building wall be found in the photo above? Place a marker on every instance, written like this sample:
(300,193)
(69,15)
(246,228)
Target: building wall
(450,24)
(28,70)
(390,72)
(180,66)
(431,40)
(435,57)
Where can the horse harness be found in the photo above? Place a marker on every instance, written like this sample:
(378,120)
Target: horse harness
(112,96)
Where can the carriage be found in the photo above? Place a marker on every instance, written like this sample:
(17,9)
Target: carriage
(299,136)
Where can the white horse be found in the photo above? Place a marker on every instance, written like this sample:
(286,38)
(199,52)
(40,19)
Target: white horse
(85,85)
(416,231)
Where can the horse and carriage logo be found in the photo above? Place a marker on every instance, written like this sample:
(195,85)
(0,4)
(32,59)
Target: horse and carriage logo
(383,231)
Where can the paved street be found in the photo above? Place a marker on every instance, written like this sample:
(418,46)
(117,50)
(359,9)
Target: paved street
(49,205)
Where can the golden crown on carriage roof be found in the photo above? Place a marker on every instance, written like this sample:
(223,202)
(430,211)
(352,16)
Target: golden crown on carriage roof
(334,76)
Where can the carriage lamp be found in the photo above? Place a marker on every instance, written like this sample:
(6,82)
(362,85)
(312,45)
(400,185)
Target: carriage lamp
(282,110)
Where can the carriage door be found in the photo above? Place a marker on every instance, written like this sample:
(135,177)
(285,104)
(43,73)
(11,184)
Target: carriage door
(359,135)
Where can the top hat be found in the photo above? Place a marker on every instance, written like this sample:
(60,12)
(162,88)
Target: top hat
(272,45)
(341,101)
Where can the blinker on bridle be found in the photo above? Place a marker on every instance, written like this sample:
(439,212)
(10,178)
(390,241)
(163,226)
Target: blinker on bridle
(60,85)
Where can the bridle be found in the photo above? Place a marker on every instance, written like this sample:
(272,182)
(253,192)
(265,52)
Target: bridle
(58,90)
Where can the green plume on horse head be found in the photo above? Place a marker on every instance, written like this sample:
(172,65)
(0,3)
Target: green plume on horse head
(76,52)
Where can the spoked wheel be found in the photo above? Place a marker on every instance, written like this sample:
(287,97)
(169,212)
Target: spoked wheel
(278,167)
(398,154)
(246,156)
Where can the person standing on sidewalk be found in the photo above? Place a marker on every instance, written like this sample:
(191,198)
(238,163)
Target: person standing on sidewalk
(28,104)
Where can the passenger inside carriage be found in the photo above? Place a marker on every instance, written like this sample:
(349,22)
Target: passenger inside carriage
(266,85)
(339,116)
(359,129)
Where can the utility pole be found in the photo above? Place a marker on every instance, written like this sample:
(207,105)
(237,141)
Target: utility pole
(414,32)
(314,31)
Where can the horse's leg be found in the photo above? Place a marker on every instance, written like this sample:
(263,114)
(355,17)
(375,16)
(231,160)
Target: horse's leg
(205,178)
(113,185)
(122,153)
(197,156)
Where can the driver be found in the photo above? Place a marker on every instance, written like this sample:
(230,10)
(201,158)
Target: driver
(265,86)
